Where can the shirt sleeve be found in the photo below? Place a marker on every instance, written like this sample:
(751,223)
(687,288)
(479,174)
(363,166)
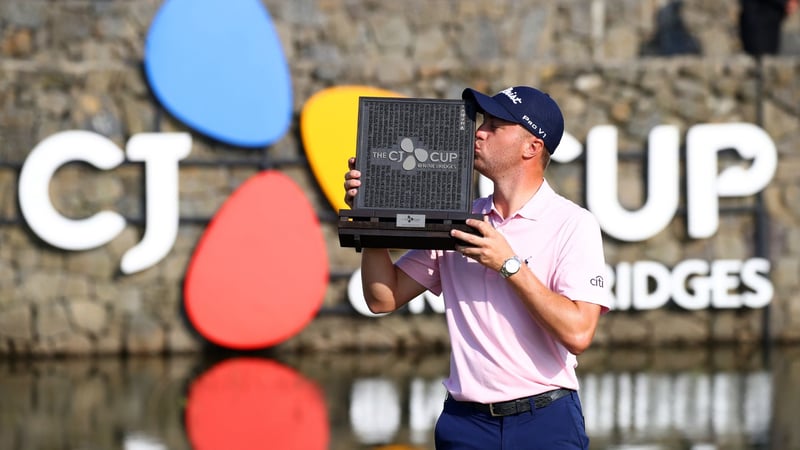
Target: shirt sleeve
(581,274)
(423,267)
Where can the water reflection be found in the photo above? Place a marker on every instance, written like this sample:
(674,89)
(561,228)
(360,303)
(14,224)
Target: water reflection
(678,399)
(242,403)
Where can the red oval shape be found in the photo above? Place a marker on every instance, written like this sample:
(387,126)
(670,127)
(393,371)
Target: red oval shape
(259,272)
(249,403)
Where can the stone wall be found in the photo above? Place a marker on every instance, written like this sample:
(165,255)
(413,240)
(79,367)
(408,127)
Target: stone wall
(633,64)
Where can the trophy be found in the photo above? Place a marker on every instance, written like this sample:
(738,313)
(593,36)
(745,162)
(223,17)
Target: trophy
(415,156)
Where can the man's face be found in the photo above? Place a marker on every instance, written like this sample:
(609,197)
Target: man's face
(498,145)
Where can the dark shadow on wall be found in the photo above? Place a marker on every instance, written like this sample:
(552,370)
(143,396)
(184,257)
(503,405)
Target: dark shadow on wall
(671,36)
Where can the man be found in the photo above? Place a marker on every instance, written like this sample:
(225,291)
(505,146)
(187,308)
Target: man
(760,24)
(522,300)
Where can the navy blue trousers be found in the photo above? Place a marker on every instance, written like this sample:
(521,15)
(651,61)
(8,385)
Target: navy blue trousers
(557,426)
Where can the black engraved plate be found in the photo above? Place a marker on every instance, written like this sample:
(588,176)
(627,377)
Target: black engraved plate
(415,157)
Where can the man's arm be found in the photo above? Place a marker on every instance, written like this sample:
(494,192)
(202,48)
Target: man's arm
(572,322)
(386,288)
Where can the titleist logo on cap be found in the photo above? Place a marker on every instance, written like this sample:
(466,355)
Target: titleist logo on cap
(511,95)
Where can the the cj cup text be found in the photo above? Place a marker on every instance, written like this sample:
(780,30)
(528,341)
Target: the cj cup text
(399,156)
(691,284)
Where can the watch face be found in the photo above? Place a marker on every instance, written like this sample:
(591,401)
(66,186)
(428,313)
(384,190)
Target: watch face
(510,267)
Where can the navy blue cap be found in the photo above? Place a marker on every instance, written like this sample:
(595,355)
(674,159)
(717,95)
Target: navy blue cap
(527,106)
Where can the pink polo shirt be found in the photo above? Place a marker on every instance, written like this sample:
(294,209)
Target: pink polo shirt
(498,352)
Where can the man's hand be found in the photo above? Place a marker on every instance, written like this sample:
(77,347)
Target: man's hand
(490,249)
(352,181)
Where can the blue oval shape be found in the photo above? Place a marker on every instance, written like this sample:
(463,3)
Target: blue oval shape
(218,66)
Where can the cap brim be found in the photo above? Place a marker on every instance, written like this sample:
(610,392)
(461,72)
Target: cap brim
(488,105)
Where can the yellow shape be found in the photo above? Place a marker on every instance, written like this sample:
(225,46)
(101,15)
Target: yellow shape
(328,128)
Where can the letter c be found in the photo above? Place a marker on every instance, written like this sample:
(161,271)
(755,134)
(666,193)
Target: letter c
(34,184)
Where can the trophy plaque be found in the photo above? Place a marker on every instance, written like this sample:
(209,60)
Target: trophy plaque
(415,156)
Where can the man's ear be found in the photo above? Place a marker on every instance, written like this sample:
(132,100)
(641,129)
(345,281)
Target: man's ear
(534,147)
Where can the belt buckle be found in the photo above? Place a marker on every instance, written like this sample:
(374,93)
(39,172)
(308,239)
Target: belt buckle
(506,408)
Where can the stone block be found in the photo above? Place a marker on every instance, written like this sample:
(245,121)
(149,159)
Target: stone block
(88,316)
(17,322)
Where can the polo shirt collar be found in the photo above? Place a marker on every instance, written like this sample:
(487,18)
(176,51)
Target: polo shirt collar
(532,209)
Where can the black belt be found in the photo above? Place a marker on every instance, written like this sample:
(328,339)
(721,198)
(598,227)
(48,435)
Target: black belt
(519,405)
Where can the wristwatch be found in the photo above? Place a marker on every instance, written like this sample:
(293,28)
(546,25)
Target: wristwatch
(510,266)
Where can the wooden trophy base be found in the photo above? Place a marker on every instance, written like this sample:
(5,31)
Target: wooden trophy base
(371,229)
